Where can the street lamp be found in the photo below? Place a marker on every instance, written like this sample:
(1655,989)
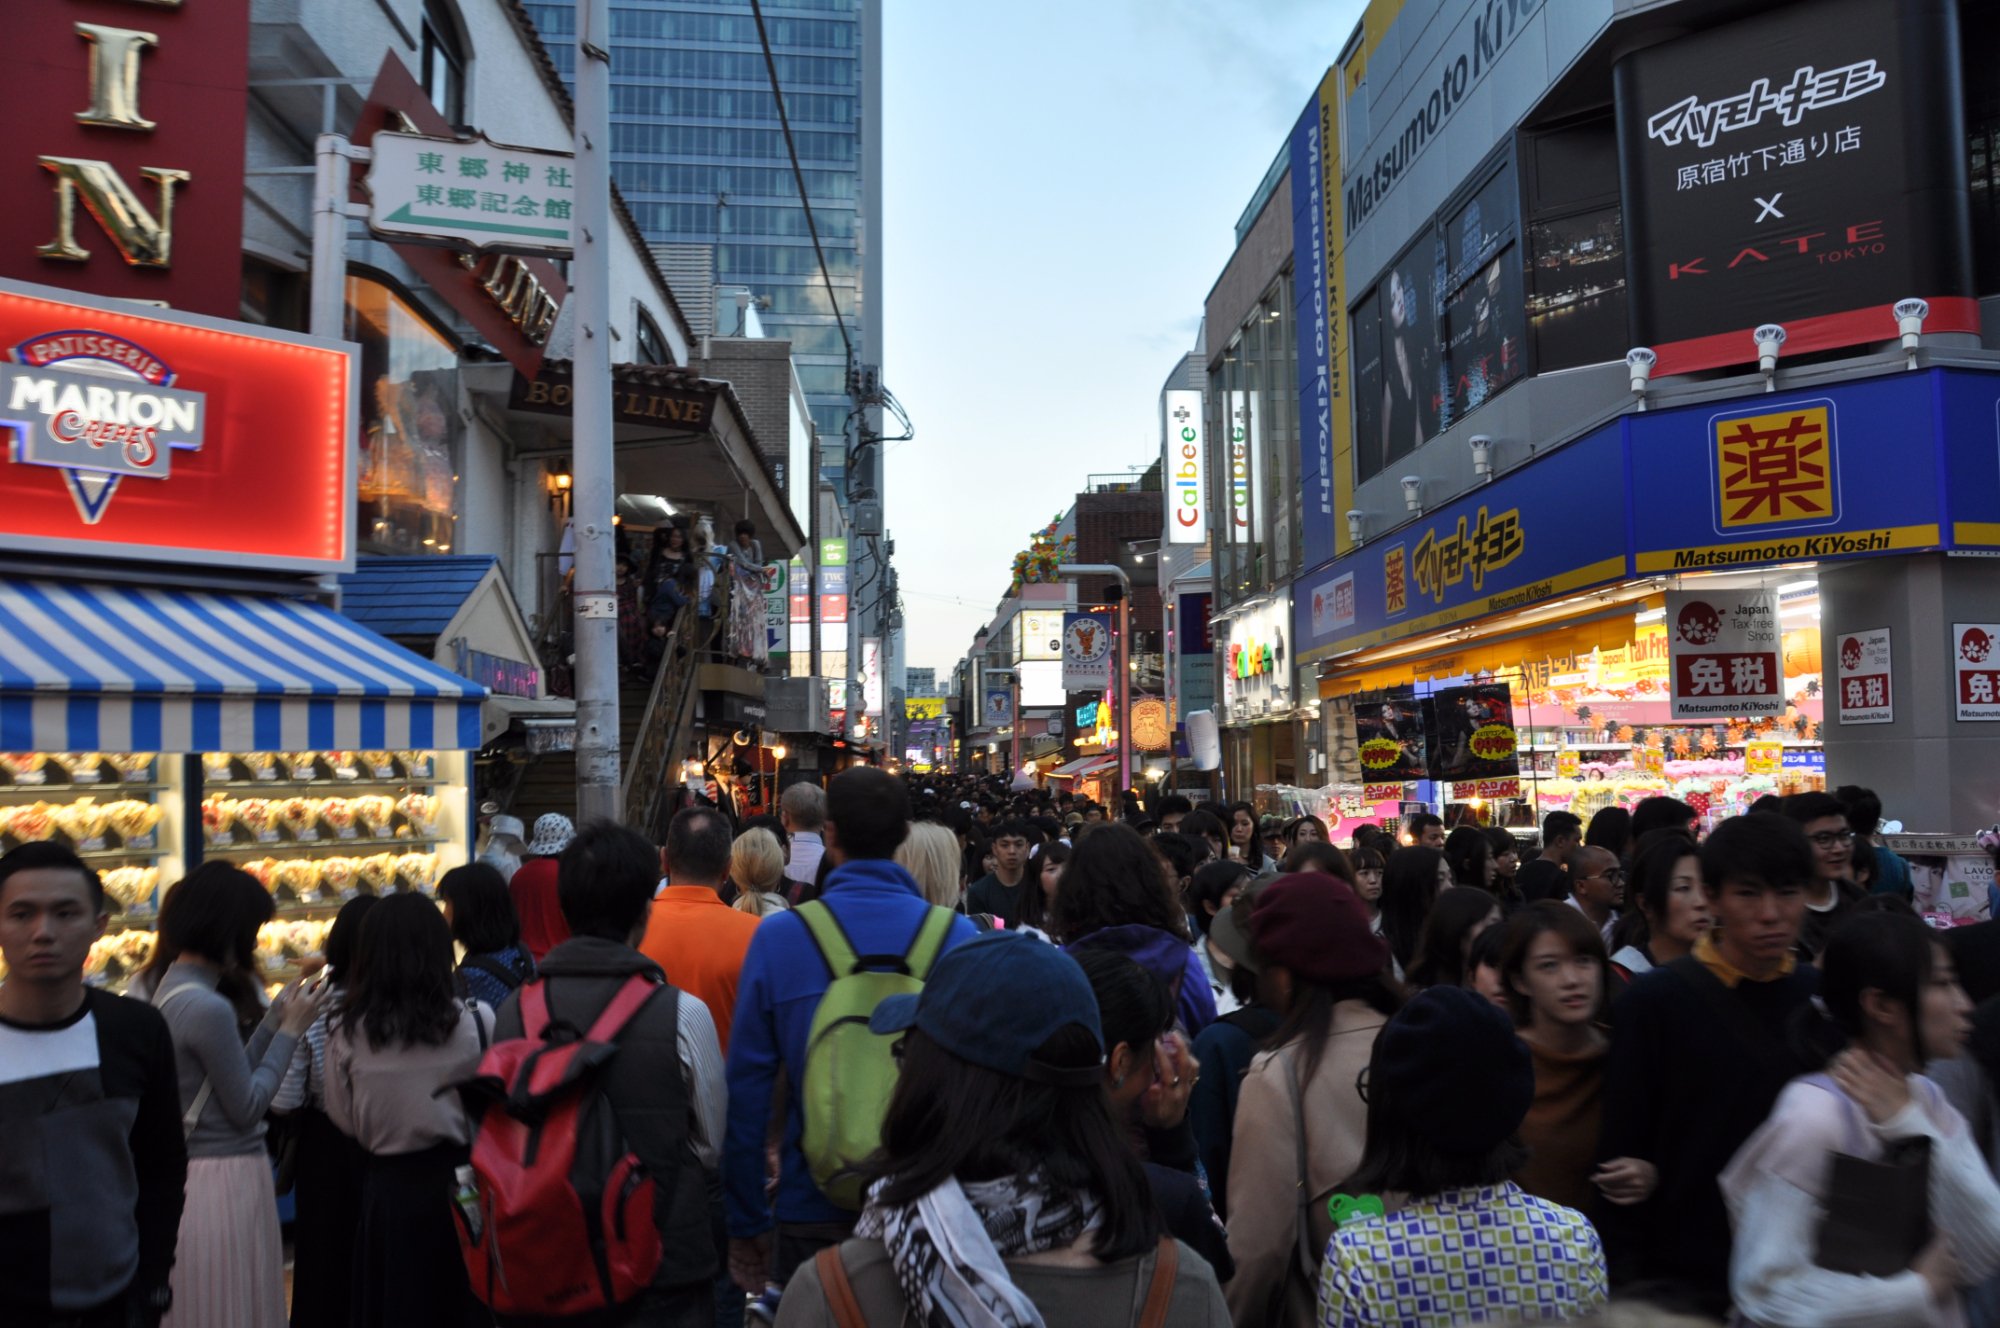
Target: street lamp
(1122,674)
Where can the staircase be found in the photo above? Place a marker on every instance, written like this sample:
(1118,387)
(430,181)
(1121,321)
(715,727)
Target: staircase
(653,719)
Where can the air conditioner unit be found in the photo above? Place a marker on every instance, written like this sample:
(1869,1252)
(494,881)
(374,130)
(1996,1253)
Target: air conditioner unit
(865,518)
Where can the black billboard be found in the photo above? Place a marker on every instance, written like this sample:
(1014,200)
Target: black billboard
(1803,167)
(1469,733)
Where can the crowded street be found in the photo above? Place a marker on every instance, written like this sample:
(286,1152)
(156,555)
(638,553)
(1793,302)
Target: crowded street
(1286,775)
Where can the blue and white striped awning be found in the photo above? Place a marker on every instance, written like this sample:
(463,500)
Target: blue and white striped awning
(88,667)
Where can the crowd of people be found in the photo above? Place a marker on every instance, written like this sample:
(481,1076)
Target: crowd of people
(954,1054)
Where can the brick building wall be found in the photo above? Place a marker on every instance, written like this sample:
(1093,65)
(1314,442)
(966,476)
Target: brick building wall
(1104,524)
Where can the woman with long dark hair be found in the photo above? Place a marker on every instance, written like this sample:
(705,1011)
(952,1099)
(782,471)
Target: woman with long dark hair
(1115,888)
(1448,1085)
(1454,923)
(401,1040)
(1008,1195)
(1470,858)
(1046,866)
(483,921)
(1246,841)
(1411,880)
(1668,909)
(1322,970)
(326,1189)
(1891,995)
(228,1269)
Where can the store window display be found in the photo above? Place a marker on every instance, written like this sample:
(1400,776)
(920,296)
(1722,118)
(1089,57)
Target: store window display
(411,431)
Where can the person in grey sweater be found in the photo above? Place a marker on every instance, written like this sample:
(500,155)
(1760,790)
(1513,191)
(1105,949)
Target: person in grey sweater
(228,1273)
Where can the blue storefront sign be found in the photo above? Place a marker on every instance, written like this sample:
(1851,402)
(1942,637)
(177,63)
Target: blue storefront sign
(1889,465)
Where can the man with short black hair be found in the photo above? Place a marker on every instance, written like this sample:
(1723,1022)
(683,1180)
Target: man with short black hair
(1700,1049)
(1864,818)
(1834,895)
(1171,809)
(1001,890)
(1543,877)
(665,1084)
(880,910)
(1425,829)
(90,1205)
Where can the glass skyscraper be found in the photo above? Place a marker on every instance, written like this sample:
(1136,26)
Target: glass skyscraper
(698,153)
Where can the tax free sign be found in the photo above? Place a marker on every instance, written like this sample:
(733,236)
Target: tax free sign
(473,193)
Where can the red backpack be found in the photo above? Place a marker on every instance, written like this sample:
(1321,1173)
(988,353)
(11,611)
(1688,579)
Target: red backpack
(558,1219)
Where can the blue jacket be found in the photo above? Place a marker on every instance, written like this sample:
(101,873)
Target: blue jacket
(880,908)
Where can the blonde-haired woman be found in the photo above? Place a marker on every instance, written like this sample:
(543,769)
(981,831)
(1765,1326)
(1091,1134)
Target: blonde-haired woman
(757,866)
(931,854)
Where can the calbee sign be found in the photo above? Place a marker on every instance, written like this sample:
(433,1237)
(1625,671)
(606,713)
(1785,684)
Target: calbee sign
(98,408)
(1187,512)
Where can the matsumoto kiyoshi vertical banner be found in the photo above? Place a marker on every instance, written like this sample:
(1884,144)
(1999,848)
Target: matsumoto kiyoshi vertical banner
(1802,166)
(1319,310)
(1724,649)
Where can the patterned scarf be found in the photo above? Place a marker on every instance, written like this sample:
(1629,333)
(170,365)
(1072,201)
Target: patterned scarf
(947,1248)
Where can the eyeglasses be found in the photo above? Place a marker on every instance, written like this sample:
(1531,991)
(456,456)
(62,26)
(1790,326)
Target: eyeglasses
(1611,874)
(1832,838)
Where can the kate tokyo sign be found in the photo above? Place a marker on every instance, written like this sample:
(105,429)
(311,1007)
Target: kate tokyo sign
(145,434)
(1862,693)
(1187,507)
(1724,655)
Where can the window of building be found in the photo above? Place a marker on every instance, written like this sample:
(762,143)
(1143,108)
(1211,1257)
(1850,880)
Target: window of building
(1576,244)
(652,348)
(1979,30)
(411,430)
(273,296)
(442,61)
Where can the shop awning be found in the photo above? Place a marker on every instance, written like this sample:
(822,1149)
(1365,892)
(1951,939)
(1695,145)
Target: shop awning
(1084,767)
(88,667)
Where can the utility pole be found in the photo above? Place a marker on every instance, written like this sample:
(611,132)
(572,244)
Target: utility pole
(597,755)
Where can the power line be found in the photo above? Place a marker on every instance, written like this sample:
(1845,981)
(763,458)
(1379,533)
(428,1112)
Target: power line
(791,148)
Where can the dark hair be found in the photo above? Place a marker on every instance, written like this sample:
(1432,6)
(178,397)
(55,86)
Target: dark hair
(949,1118)
(1422,821)
(1183,853)
(1034,902)
(1501,842)
(1467,852)
(1487,948)
(1171,804)
(747,527)
(1654,856)
(1759,847)
(1114,878)
(1133,1007)
(1319,856)
(1769,802)
(1397,1158)
(213,913)
(1366,857)
(1205,824)
(1015,827)
(1368,834)
(1409,887)
(1308,1019)
(1253,852)
(1660,813)
(42,855)
(1864,808)
(1213,880)
(1440,960)
(483,919)
(1557,825)
(1610,827)
(1805,807)
(1298,823)
(400,992)
(870,812)
(343,938)
(1891,953)
(1524,927)
(605,881)
(698,844)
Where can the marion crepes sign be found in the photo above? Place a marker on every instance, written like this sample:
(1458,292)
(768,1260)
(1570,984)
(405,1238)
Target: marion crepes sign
(141,434)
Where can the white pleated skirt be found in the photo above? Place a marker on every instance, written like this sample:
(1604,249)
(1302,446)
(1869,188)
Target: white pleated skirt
(229,1267)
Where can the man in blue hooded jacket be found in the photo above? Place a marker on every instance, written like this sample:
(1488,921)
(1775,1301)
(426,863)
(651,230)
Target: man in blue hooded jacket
(879,908)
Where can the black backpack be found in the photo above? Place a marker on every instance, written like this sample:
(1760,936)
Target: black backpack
(511,973)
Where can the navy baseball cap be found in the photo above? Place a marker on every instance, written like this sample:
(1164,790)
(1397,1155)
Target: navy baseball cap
(995,1001)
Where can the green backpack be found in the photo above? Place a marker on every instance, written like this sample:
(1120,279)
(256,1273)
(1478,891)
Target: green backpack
(850,1071)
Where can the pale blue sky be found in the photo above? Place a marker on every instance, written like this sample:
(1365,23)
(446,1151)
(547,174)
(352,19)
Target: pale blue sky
(1062,181)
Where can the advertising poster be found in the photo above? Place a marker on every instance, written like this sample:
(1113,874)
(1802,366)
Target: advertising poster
(1086,652)
(1390,727)
(1469,733)
(1723,651)
(1802,167)
(1861,687)
(1976,669)
(1187,502)
(1950,876)
(999,712)
(1196,653)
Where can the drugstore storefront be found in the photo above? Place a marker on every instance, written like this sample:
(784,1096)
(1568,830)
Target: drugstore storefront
(1848,523)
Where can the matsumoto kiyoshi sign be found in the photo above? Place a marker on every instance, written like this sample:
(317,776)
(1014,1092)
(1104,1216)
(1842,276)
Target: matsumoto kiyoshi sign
(1801,166)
